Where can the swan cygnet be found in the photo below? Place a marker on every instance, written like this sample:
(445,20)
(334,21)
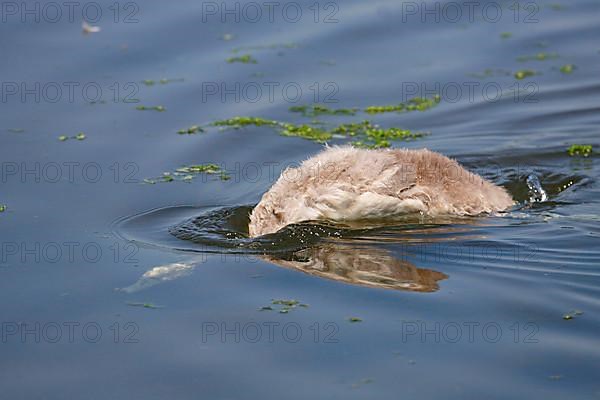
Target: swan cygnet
(350,184)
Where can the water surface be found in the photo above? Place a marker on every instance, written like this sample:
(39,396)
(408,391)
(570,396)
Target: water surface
(458,309)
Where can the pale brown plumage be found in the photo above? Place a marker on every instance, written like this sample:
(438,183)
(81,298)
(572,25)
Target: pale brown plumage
(349,184)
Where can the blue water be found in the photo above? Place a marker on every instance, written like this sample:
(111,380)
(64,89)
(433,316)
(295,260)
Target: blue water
(478,307)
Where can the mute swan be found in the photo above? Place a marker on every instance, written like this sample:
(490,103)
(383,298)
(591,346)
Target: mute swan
(349,184)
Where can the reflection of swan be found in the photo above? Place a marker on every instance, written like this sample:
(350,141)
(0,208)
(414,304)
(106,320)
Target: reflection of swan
(367,266)
(348,184)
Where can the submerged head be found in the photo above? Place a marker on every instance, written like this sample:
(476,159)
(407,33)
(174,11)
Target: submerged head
(266,217)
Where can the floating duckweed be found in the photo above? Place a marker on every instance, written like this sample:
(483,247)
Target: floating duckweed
(288,303)
(538,57)
(191,130)
(144,305)
(187,173)
(245,59)
(2,207)
(153,108)
(414,104)
(284,306)
(524,73)
(316,110)
(375,136)
(163,81)
(572,314)
(372,135)
(79,136)
(201,168)
(580,150)
(506,35)
(306,132)
(239,122)
(567,69)
(354,319)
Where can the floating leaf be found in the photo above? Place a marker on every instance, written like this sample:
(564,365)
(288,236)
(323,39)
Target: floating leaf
(524,73)
(567,69)
(584,150)
(244,59)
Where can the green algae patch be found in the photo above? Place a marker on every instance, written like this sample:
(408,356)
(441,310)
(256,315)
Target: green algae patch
(306,132)
(370,134)
(572,314)
(567,69)
(283,306)
(317,110)
(506,35)
(583,150)
(414,104)
(151,108)
(2,207)
(524,73)
(144,305)
(354,319)
(542,56)
(240,122)
(191,130)
(79,136)
(244,59)
(163,81)
(367,134)
(188,173)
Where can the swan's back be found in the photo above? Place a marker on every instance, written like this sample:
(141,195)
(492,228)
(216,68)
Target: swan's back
(348,184)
